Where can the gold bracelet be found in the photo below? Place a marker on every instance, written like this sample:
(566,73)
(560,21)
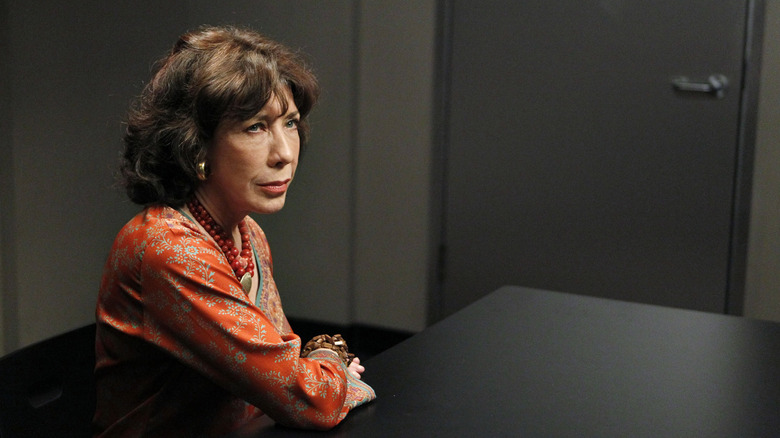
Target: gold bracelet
(335,343)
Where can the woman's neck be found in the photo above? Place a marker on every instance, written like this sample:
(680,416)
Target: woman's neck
(220,215)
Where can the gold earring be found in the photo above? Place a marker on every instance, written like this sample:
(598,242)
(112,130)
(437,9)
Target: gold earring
(202,171)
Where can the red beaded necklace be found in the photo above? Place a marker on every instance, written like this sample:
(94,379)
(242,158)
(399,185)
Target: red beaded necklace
(241,261)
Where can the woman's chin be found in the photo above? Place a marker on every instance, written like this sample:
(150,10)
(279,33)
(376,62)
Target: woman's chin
(269,206)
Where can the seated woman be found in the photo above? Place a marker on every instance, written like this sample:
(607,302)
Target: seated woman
(191,336)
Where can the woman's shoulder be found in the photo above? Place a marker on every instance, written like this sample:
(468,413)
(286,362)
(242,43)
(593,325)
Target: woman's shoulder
(158,221)
(159,236)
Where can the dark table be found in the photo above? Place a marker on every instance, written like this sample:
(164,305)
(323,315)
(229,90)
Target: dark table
(531,363)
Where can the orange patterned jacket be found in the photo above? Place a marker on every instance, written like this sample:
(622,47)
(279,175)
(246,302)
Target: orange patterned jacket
(181,351)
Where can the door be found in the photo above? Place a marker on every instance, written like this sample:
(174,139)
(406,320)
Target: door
(592,146)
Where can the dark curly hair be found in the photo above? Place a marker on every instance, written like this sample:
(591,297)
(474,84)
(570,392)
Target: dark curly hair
(211,74)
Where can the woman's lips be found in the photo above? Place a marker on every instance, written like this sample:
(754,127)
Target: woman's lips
(275,187)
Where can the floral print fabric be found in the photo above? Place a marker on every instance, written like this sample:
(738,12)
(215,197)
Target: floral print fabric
(181,351)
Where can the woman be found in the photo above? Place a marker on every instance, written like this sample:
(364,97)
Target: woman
(191,336)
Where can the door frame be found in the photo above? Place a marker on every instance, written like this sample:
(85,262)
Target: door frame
(746,143)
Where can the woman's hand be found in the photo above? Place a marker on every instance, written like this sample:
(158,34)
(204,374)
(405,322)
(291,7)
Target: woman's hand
(355,368)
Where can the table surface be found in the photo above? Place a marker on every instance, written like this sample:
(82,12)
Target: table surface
(532,363)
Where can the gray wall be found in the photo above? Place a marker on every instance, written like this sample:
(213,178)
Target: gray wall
(393,163)
(71,73)
(352,245)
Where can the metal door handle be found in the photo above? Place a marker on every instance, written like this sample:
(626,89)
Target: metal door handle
(715,85)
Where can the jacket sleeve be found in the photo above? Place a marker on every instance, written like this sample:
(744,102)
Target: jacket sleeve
(194,309)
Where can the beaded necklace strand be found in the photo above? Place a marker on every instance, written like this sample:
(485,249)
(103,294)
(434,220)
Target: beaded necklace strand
(241,261)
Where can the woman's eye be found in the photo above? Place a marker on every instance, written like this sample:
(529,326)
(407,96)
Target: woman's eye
(257,127)
(293,123)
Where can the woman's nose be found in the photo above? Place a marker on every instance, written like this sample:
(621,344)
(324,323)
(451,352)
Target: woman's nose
(284,149)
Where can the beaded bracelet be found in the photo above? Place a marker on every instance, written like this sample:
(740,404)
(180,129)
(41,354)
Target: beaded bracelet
(335,343)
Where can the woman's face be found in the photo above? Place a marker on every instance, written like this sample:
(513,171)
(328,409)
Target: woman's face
(252,162)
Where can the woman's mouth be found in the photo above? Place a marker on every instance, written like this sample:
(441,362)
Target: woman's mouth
(275,187)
